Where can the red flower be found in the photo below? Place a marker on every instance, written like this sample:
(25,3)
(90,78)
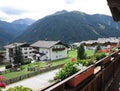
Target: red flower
(63,65)
(2,78)
(107,50)
(113,46)
(73,60)
(99,51)
(2,85)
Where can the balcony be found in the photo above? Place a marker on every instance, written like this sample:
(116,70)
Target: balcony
(103,73)
(58,49)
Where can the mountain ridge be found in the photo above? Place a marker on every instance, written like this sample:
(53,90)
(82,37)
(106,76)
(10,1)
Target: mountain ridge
(71,27)
(26,21)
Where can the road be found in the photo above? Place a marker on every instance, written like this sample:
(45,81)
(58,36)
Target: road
(36,82)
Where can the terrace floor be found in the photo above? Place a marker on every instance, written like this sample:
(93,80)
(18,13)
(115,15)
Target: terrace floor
(115,86)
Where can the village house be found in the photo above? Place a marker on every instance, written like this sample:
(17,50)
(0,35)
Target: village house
(49,50)
(103,42)
(25,48)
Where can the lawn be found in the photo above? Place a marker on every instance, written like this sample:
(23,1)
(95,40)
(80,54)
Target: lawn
(15,74)
(89,52)
(2,66)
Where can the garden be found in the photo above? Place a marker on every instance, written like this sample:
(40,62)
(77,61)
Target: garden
(9,74)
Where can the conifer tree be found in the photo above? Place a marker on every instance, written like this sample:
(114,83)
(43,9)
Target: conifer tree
(18,58)
(81,52)
(97,48)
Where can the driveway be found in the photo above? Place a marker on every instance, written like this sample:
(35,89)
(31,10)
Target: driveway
(36,82)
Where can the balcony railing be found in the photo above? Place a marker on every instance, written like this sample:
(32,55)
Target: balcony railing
(58,49)
(103,75)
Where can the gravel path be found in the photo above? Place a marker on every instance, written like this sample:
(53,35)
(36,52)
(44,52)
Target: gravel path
(36,82)
(2,69)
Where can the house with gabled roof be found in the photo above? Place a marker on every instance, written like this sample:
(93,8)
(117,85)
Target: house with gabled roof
(49,50)
(27,51)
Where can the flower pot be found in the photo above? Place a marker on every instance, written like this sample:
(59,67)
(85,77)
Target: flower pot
(81,77)
(106,60)
(116,53)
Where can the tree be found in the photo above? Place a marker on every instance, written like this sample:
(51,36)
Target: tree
(18,58)
(81,52)
(97,48)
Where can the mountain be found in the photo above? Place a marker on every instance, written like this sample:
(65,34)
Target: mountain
(71,27)
(26,21)
(9,31)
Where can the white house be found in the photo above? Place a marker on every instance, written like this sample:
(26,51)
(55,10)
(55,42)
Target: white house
(49,50)
(27,51)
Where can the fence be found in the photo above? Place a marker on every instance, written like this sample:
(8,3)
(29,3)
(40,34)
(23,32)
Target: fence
(36,72)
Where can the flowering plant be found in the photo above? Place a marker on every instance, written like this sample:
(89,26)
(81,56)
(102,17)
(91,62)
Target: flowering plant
(69,69)
(2,83)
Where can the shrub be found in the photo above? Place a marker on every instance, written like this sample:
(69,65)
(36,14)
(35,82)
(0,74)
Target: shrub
(97,48)
(118,47)
(67,70)
(100,56)
(81,52)
(8,66)
(87,62)
(19,88)
(26,62)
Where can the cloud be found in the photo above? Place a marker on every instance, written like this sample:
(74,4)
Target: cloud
(69,1)
(3,18)
(12,11)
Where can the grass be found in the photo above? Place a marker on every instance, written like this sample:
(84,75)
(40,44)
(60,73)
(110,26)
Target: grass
(2,66)
(15,74)
(71,54)
(90,52)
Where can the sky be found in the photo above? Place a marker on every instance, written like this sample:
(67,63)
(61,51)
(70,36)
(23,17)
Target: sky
(36,9)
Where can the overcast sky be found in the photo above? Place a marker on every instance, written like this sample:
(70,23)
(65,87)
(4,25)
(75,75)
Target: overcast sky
(14,9)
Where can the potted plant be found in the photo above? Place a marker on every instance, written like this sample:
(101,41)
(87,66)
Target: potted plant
(99,56)
(67,70)
(71,68)
(81,77)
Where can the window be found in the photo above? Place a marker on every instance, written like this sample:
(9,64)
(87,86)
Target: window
(56,56)
(25,48)
(60,55)
(30,48)
(26,57)
(25,52)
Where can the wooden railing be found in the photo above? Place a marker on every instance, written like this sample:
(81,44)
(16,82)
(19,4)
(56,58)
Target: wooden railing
(99,81)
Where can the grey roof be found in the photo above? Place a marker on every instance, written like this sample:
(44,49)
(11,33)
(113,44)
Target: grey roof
(44,44)
(13,45)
